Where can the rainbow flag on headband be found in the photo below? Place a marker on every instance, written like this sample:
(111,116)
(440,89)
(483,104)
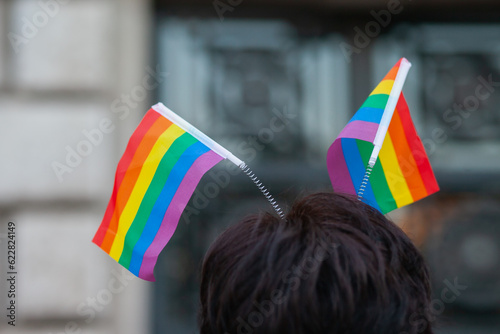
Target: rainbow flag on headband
(402,173)
(155,178)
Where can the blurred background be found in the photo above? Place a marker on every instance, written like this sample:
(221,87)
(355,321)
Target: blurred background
(77,76)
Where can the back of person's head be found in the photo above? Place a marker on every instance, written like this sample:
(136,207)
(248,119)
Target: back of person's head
(333,265)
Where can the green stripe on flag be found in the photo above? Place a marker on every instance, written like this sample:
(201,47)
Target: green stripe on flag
(162,173)
(378,181)
(376,101)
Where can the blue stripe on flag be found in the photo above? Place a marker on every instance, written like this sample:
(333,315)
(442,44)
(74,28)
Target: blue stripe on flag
(357,170)
(155,219)
(368,114)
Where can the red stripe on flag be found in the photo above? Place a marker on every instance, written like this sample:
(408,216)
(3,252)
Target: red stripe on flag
(140,155)
(405,157)
(148,120)
(417,148)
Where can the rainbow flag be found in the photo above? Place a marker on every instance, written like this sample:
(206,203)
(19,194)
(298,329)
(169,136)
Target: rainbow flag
(155,178)
(402,173)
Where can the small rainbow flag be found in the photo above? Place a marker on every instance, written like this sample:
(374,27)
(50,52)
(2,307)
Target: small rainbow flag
(379,156)
(155,178)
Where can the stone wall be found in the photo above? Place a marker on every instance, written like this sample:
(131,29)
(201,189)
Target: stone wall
(65,66)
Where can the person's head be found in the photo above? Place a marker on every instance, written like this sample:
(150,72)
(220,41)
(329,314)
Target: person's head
(333,266)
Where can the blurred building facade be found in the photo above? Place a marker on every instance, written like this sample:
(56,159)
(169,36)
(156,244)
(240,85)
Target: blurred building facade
(234,63)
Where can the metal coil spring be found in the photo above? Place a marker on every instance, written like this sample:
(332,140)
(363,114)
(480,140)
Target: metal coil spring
(364,182)
(263,189)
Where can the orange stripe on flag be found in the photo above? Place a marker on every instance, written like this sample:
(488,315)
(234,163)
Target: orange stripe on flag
(391,75)
(132,173)
(148,120)
(416,147)
(405,158)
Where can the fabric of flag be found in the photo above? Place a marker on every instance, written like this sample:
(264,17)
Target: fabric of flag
(155,178)
(402,173)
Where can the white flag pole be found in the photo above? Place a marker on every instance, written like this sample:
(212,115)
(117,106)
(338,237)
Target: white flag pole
(213,145)
(404,67)
(396,90)
(206,140)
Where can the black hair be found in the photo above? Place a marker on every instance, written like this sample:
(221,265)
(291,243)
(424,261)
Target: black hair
(333,265)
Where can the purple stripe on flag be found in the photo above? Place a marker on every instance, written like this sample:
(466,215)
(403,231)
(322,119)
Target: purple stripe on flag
(338,170)
(174,211)
(360,130)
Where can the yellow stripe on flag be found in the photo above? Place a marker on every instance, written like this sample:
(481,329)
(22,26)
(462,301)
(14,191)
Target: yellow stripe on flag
(141,186)
(394,175)
(384,87)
